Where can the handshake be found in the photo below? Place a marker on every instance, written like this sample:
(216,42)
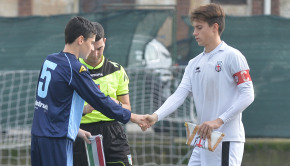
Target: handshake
(144,121)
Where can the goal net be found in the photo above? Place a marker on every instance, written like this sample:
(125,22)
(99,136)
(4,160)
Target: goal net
(16,112)
(163,144)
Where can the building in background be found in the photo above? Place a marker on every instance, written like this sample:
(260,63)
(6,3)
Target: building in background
(15,8)
(173,30)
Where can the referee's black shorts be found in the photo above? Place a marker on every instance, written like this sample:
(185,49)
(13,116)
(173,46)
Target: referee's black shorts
(116,147)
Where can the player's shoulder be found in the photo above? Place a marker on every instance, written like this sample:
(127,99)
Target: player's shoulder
(232,54)
(59,58)
(73,63)
(195,59)
(231,51)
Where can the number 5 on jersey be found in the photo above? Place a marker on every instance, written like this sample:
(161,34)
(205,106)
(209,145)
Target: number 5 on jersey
(45,74)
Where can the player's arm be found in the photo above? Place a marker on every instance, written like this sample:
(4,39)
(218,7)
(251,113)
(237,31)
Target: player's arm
(168,107)
(245,98)
(173,101)
(88,90)
(177,98)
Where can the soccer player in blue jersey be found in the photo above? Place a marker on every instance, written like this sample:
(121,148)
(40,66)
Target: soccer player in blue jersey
(113,81)
(63,85)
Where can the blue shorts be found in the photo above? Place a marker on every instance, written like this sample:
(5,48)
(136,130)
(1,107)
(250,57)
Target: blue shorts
(48,151)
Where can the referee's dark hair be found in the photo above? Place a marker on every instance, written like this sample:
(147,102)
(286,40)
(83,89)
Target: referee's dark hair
(100,33)
(78,26)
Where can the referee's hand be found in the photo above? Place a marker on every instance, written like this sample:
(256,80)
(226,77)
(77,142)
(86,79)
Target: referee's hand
(84,135)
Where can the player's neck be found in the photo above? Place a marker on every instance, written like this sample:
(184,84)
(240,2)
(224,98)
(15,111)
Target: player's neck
(212,45)
(71,49)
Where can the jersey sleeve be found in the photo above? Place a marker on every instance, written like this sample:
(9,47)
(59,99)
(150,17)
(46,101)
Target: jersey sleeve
(240,71)
(185,82)
(88,90)
(172,103)
(123,86)
(238,63)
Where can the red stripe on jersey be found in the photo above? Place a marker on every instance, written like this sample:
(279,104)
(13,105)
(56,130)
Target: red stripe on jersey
(242,76)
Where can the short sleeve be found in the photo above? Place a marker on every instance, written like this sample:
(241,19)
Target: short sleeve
(123,86)
(238,63)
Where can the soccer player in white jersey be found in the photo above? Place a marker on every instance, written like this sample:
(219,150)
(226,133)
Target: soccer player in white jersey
(219,80)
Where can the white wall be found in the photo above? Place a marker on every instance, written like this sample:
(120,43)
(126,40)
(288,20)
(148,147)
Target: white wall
(285,8)
(8,9)
(52,7)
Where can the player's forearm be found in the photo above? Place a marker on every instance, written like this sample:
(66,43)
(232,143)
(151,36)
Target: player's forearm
(172,103)
(246,97)
(87,89)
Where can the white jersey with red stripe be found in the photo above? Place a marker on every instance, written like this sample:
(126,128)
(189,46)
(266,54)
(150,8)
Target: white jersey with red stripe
(215,80)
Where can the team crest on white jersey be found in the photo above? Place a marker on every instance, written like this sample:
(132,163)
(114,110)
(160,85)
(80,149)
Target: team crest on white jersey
(218,66)
(197,69)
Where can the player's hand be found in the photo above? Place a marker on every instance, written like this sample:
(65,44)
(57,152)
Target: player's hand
(152,119)
(84,135)
(206,128)
(87,109)
(140,120)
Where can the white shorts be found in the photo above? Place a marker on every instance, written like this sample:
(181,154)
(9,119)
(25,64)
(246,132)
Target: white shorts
(226,154)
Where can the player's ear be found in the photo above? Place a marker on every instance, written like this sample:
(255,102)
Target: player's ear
(104,39)
(80,40)
(216,27)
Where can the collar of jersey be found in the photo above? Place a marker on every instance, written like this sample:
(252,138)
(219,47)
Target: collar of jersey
(91,67)
(70,54)
(220,47)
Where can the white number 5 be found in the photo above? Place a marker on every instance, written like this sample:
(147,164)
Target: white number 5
(45,74)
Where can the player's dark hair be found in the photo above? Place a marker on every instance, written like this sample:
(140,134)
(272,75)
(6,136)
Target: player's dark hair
(100,33)
(78,26)
(211,13)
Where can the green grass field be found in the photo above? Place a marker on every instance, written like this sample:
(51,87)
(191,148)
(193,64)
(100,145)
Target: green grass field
(258,152)
(267,152)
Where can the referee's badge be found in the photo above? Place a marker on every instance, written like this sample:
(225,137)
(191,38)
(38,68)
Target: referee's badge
(218,66)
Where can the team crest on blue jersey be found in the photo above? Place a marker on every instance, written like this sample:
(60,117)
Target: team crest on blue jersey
(83,68)
(218,66)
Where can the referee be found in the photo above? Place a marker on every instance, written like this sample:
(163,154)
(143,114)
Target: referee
(112,80)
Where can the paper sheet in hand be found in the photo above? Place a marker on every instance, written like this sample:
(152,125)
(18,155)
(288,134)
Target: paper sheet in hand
(194,139)
(95,152)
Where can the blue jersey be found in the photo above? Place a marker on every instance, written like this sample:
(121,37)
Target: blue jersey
(63,85)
